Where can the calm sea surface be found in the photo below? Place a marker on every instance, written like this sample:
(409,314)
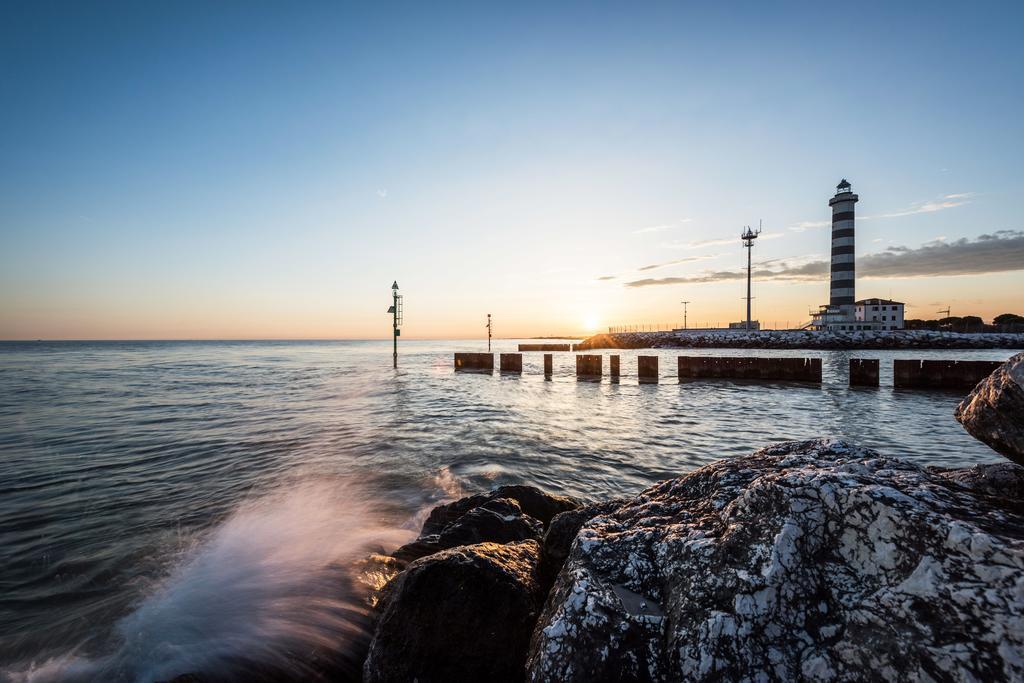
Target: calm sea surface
(172,506)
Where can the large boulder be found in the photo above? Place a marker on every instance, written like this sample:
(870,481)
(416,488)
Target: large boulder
(498,520)
(564,526)
(815,560)
(463,614)
(533,502)
(994,411)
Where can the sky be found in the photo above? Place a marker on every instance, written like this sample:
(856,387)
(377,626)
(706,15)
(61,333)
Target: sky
(266,170)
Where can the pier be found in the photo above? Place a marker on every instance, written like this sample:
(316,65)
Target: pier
(544,347)
(588,366)
(512,362)
(941,374)
(647,369)
(479,362)
(863,372)
(757,368)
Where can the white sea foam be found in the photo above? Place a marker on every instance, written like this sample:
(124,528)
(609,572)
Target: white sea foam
(268,587)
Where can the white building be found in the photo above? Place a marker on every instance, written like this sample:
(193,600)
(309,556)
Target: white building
(887,314)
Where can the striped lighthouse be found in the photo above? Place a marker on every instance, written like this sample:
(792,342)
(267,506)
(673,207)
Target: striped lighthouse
(843,271)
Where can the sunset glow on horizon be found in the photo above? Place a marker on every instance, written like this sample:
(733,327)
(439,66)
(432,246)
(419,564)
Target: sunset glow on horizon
(262,173)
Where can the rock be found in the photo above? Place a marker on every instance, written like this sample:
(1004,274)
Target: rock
(816,560)
(994,411)
(564,526)
(463,614)
(534,502)
(1003,480)
(803,339)
(499,520)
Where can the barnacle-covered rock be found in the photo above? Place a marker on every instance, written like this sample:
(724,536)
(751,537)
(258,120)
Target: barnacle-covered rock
(811,560)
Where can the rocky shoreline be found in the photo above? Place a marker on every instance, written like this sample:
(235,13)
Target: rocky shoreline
(801,339)
(816,560)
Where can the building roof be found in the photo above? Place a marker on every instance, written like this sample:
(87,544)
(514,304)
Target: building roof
(873,302)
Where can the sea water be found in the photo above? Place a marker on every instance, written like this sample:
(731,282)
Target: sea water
(168,507)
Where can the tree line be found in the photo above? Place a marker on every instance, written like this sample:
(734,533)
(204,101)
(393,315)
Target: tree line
(1005,322)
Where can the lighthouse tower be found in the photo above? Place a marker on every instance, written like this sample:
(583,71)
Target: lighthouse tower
(842,288)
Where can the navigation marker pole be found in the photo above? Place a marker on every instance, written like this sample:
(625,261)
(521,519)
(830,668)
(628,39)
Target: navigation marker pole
(684,303)
(396,319)
(488,333)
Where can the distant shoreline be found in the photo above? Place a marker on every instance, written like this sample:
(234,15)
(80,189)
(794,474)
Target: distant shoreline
(803,339)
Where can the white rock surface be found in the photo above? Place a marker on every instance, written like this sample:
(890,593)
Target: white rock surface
(816,560)
(807,339)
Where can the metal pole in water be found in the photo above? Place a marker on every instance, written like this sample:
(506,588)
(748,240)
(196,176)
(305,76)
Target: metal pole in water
(488,333)
(396,320)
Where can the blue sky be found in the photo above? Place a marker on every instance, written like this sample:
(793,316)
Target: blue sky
(266,170)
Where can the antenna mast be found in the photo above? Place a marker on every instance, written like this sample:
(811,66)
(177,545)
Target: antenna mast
(748,236)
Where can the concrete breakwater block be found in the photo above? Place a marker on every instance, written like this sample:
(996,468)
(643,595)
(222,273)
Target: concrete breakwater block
(544,347)
(613,366)
(512,362)
(727,367)
(588,365)
(647,368)
(863,372)
(941,374)
(481,362)
(548,364)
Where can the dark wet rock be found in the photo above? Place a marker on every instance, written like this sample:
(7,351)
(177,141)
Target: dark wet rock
(564,526)
(814,560)
(994,411)
(463,614)
(499,520)
(533,502)
(1003,480)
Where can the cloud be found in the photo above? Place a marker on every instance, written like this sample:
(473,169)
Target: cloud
(660,228)
(696,244)
(948,201)
(606,277)
(997,252)
(382,193)
(652,228)
(688,259)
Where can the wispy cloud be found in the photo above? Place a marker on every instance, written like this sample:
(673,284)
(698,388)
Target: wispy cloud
(652,228)
(661,228)
(382,193)
(948,201)
(718,241)
(606,277)
(688,259)
(997,252)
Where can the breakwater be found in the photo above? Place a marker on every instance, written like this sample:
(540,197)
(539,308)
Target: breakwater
(801,339)
(907,373)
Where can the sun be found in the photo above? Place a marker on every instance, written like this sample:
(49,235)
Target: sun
(591,323)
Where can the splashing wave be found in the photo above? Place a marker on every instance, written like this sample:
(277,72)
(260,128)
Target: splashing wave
(272,592)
